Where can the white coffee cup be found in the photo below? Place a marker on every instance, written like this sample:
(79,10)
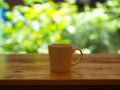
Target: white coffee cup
(60,56)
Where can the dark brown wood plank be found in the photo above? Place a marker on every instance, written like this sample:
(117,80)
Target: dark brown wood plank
(34,69)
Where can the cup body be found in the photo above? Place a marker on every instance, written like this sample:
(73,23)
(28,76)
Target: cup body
(60,56)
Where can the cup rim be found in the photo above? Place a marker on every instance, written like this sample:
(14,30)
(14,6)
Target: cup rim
(60,45)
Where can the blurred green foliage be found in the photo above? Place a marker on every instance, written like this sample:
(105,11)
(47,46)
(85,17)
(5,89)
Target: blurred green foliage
(97,30)
(33,26)
(30,28)
(4,4)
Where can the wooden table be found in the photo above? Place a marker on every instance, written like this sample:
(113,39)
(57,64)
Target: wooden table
(33,69)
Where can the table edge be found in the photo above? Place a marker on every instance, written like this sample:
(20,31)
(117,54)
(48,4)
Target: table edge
(61,82)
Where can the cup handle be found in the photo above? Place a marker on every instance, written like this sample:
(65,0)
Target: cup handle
(77,58)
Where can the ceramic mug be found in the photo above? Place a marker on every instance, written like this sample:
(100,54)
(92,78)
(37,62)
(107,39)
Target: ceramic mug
(61,57)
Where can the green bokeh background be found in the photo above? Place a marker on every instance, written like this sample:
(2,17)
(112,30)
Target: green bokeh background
(29,28)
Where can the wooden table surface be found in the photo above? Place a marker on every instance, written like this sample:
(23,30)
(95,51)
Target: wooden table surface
(33,69)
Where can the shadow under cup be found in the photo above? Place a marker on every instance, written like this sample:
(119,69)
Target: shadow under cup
(60,56)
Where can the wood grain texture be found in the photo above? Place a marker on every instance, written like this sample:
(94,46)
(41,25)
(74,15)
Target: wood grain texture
(34,69)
